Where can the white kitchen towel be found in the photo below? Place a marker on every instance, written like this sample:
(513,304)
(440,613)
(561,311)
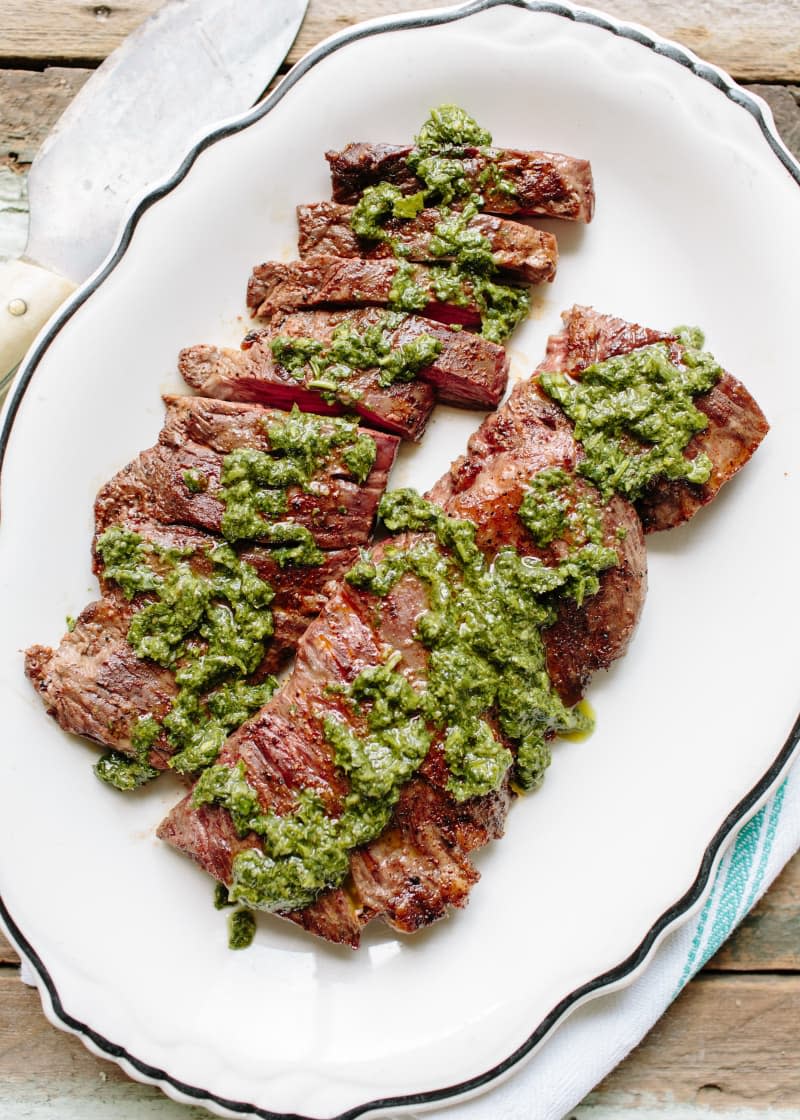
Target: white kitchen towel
(598,1035)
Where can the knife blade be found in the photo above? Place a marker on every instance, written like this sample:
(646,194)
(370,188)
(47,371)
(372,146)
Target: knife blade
(191,65)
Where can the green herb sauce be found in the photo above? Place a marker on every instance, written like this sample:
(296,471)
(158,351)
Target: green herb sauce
(437,159)
(634,415)
(255,483)
(552,509)
(483,633)
(210,630)
(351,350)
(241,929)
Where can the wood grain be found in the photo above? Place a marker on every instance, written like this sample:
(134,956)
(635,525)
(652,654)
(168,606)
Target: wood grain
(753,41)
(712,1048)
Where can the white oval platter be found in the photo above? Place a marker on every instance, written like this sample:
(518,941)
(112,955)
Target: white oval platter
(698,220)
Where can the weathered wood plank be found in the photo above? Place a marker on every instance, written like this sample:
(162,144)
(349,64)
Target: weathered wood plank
(696,1055)
(728,1042)
(81,31)
(7,955)
(30,104)
(748,40)
(752,41)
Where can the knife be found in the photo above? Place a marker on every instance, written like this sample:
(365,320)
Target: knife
(190,66)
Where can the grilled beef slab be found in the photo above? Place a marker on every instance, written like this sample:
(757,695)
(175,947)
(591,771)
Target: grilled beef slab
(468,370)
(418,866)
(277,287)
(736,425)
(325,230)
(253,375)
(544,184)
(197,436)
(94,684)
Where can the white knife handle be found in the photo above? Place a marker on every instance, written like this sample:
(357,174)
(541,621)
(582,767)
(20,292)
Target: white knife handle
(28,297)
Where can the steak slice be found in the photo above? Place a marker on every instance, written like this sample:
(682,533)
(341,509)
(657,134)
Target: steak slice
(469,370)
(197,435)
(252,375)
(277,287)
(419,865)
(487,485)
(93,683)
(325,229)
(736,424)
(546,184)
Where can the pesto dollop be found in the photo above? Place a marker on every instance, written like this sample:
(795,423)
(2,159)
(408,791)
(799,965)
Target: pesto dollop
(351,350)
(635,414)
(255,483)
(552,509)
(486,691)
(209,627)
(437,159)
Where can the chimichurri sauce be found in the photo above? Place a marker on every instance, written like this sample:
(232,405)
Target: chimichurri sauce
(255,483)
(634,414)
(487,698)
(437,159)
(351,350)
(210,627)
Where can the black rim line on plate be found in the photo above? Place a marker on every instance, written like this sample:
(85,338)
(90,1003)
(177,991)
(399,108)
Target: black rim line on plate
(740,97)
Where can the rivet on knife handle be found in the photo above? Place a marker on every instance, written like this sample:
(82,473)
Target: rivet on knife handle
(28,297)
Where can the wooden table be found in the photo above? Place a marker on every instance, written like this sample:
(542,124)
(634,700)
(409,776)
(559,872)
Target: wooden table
(730,1042)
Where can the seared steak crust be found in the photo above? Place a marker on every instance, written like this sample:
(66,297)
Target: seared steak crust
(196,436)
(325,229)
(277,287)
(546,184)
(736,424)
(469,370)
(94,685)
(487,485)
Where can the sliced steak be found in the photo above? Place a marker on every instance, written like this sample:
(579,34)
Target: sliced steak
(419,866)
(469,370)
(736,424)
(325,229)
(197,435)
(545,184)
(93,683)
(277,287)
(252,374)
(486,486)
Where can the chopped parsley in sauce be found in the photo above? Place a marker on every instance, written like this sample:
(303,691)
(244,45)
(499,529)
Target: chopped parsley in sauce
(487,699)
(210,627)
(351,350)
(634,414)
(437,159)
(255,483)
